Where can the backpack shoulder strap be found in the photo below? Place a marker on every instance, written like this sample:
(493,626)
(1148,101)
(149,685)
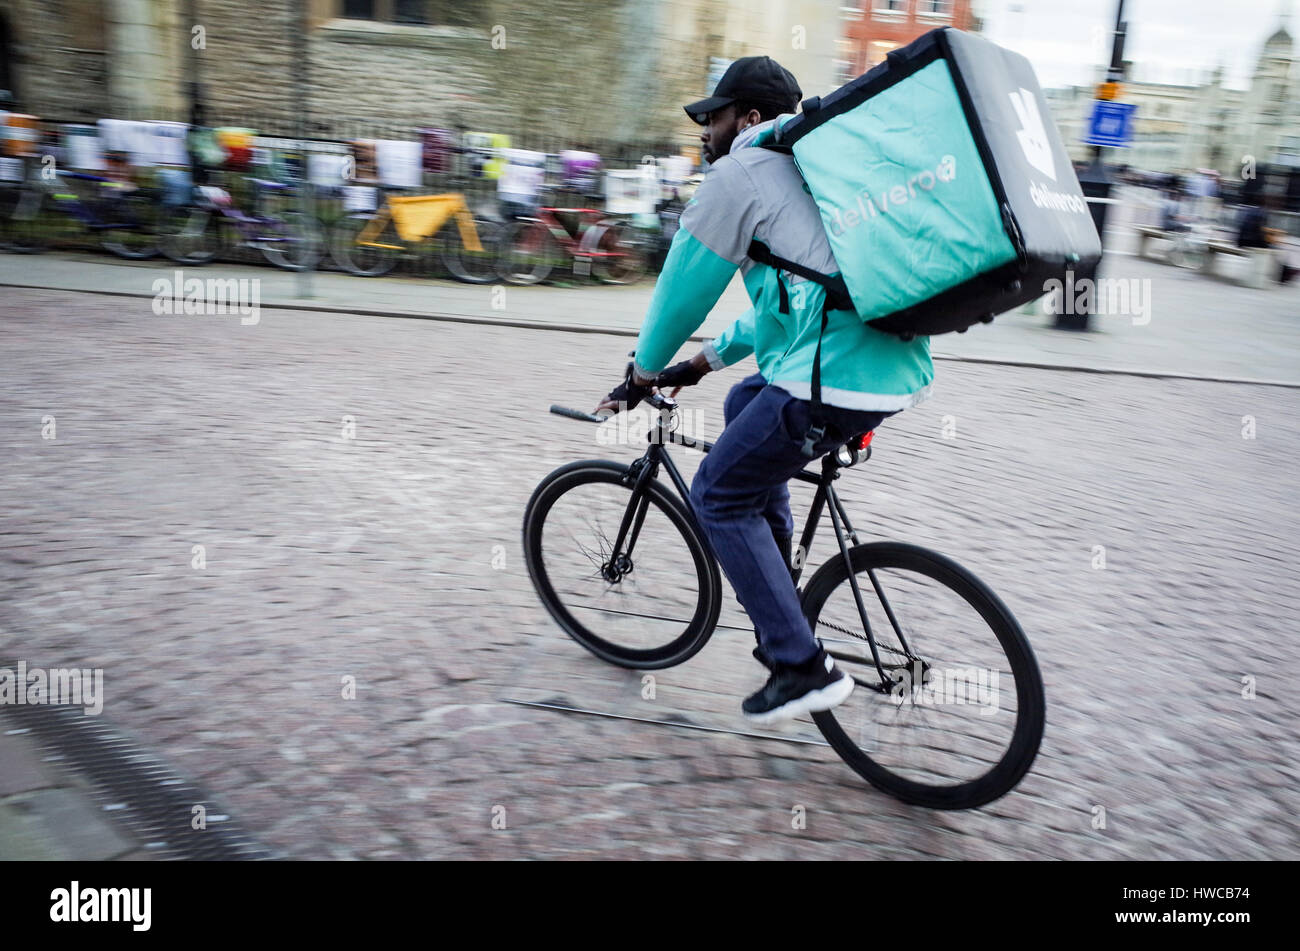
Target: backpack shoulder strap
(837,298)
(837,292)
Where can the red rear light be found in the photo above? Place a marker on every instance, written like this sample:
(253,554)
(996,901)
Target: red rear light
(865,441)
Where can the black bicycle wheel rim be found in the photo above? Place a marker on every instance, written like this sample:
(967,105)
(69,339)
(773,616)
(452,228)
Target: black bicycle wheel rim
(630,263)
(528,253)
(297,242)
(704,616)
(190,236)
(352,257)
(471,267)
(28,226)
(1028,731)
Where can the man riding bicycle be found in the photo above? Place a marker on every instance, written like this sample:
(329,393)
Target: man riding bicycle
(785,415)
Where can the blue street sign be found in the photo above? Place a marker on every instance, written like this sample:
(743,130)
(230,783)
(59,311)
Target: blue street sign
(1111,124)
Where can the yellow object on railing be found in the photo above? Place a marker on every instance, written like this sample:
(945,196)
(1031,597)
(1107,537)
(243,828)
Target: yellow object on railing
(420,216)
(234,138)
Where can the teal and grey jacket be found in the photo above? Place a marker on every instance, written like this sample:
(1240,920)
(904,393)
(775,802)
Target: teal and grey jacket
(757,194)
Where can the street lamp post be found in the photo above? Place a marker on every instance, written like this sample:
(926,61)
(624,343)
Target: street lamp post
(1095,180)
(300,108)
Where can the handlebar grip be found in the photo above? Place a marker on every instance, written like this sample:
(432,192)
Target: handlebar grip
(577,414)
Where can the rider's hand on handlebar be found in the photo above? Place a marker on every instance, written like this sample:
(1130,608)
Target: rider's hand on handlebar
(627,394)
(687,373)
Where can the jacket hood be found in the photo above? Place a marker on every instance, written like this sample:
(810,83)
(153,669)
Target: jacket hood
(758,135)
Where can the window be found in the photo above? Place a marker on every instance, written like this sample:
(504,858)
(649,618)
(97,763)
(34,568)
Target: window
(878,50)
(889,6)
(935,8)
(415,12)
(410,11)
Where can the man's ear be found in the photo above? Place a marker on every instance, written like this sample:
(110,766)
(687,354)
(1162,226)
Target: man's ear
(753,117)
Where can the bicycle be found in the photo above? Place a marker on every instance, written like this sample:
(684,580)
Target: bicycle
(599,534)
(368,244)
(126,221)
(534,245)
(197,233)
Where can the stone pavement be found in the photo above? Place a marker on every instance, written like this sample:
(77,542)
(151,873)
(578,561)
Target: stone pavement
(243,524)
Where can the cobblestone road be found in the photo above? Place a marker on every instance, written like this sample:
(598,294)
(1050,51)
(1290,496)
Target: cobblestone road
(393,557)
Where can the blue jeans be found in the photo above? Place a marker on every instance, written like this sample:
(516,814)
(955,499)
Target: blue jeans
(742,501)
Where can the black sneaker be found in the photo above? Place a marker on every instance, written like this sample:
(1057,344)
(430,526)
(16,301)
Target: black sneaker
(794,690)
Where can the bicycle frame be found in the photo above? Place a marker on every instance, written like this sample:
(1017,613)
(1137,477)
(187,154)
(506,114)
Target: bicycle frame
(581,247)
(72,204)
(642,470)
(419,217)
(252,230)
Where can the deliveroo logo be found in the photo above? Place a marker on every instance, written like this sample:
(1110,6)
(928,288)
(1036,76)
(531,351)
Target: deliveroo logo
(1032,134)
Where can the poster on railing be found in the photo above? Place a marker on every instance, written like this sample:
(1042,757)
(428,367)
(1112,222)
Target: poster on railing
(328,169)
(147,143)
(81,148)
(399,163)
(632,191)
(523,175)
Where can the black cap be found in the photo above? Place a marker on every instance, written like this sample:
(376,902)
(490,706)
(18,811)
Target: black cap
(759,79)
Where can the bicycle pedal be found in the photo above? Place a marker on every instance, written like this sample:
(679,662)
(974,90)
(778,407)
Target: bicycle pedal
(582,267)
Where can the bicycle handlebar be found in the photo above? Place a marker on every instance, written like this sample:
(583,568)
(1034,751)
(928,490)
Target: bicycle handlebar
(577,414)
(657,400)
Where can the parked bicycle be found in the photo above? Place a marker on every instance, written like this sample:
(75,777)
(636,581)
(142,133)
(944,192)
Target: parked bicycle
(592,245)
(197,233)
(949,707)
(124,219)
(369,244)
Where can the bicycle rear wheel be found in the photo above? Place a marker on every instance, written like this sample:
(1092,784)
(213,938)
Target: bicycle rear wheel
(627,259)
(654,603)
(529,252)
(959,720)
(134,235)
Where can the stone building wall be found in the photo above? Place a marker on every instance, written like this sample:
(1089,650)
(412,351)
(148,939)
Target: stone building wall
(60,59)
(555,72)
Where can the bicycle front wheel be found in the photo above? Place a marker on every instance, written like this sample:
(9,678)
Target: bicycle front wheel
(29,227)
(189,235)
(651,604)
(294,243)
(958,718)
(376,256)
(473,267)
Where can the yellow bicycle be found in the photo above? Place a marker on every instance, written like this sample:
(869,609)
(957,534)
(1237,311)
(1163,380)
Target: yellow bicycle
(369,244)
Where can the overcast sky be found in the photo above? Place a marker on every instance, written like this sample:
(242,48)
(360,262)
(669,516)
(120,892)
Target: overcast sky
(1169,41)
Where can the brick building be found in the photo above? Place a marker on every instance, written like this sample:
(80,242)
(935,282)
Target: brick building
(874,27)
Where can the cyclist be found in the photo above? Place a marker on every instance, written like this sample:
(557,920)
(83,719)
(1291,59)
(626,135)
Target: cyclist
(774,424)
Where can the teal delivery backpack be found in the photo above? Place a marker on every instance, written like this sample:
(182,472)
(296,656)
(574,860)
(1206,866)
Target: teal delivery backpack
(943,185)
